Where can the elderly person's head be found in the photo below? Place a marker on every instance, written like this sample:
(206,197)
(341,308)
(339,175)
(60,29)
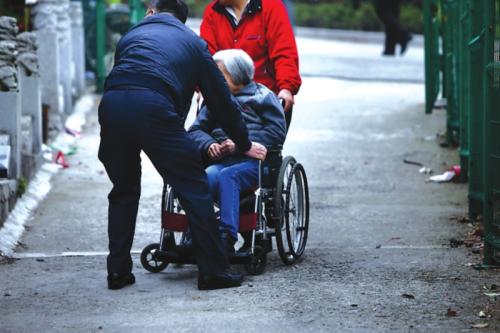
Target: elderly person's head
(236,66)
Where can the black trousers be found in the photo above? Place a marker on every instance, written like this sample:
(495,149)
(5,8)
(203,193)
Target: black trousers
(135,119)
(388,13)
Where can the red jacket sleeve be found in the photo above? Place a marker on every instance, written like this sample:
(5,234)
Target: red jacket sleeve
(282,47)
(207,29)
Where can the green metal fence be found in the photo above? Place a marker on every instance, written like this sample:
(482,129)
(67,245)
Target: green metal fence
(432,53)
(463,82)
(463,48)
(450,52)
(477,107)
(492,147)
(106,25)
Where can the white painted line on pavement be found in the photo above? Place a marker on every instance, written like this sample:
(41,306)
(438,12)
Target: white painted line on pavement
(33,255)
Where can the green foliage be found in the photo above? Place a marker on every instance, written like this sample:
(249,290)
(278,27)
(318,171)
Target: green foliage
(412,18)
(344,15)
(22,185)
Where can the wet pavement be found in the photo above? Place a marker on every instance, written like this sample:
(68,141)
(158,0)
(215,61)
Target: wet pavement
(378,257)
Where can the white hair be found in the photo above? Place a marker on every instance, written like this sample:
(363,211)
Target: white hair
(238,64)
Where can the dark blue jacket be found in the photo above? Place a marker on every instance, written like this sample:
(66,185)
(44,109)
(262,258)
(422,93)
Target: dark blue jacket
(263,114)
(162,54)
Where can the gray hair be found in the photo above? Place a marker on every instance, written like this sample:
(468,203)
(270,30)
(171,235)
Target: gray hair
(238,64)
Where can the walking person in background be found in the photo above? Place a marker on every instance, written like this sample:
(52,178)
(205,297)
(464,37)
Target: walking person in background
(388,13)
(262,29)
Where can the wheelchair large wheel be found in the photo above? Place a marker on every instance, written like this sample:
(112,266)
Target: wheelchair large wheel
(296,211)
(280,197)
(149,260)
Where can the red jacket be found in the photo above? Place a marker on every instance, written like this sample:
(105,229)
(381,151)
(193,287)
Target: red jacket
(265,33)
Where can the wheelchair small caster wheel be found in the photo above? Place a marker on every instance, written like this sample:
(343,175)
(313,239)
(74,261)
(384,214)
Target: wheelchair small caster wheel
(149,260)
(259,261)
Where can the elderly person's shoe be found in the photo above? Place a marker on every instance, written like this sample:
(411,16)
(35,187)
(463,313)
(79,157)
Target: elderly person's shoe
(228,242)
(226,279)
(116,281)
(247,237)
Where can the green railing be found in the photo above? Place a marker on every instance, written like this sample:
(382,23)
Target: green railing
(432,53)
(462,50)
(108,23)
(492,134)
(450,24)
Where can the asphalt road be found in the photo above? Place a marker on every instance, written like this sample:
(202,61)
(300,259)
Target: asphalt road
(378,230)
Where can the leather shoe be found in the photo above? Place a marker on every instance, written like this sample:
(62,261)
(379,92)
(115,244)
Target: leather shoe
(116,281)
(226,279)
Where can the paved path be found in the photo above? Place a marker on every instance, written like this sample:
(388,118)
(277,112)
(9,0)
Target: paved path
(378,231)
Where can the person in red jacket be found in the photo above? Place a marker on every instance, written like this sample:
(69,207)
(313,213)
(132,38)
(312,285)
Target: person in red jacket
(262,29)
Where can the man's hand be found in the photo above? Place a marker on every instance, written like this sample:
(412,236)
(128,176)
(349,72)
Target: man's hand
(214,151)
(228,147)
(287,96)
(257,151)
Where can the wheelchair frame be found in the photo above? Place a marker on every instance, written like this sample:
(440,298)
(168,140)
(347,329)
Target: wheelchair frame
(281,210)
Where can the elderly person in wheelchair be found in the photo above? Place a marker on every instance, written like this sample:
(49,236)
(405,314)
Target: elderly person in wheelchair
(229,171)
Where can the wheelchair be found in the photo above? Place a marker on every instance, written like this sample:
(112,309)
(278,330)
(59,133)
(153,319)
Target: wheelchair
(278,208)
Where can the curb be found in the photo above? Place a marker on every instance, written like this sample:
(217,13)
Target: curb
(38,188)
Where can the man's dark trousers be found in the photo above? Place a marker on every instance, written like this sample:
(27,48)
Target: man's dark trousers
(134,119)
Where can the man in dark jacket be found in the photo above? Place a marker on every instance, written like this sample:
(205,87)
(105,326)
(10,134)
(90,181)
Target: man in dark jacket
(158,65)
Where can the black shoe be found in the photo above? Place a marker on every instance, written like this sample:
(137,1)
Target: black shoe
(228,242)
(186,248)
(388,53)
(404,44)
(116,281)
(226,279)
(247,237)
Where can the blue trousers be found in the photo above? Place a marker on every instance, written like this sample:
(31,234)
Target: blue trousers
(226,181)
(134,119)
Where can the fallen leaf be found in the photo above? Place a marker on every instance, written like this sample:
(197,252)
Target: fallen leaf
(451,313)
(409,296)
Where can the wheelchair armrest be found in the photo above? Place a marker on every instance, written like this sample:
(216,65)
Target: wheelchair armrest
(270,167)
(274,148)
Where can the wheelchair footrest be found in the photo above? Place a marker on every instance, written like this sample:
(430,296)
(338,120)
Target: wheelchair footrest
(174,257)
